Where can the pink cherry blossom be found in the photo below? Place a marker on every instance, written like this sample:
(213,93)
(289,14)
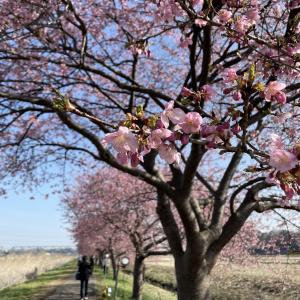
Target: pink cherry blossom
(282,160)
(279,97)
(211,135)
(253,15)
(157,136)
(185,42)
(272,178)
(169,153)
(122,140)
(175,115)
(294,50)
(224,126)
(242,25)
(273,92)
(191,123)
(224,15)
(237,96)
(208,92)
(229,75)
(214,134)
(136,50)
(185,92)
(122,158)
(184,139)
(289,191)
(236,128)
(135,159)
(200,23)
(282,117)
(197,2)
(276,142)
(173,136)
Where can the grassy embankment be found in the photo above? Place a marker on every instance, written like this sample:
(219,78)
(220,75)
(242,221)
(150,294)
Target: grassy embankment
(18,268)
(39,287)
(269,280)
(272,278)
(150,292)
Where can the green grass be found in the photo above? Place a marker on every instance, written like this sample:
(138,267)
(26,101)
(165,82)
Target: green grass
(150,292)
(37,288)
(161,275)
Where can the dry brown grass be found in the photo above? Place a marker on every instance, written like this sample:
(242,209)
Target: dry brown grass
(271,278)
(15,269)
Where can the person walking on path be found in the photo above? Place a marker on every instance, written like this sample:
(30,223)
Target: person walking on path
(105,264)
(84,269)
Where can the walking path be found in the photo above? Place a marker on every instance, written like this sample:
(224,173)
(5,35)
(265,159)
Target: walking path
(70,289)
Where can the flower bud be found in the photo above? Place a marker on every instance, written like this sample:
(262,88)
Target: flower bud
(186,92)
(236,128)
(172,137)
(184,139)
(159,124)
(237,96)
(227,91)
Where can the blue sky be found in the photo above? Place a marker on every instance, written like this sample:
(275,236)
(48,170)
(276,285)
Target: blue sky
(38,222)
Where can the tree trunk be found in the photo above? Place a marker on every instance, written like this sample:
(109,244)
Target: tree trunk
(113,264)
(193,278)
(138,277)
(197,288)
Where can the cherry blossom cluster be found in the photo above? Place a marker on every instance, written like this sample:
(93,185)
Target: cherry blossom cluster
(237,19)
(138,135)
(168,9)
(268,60)
(273,92)
(173,126)
(139,47)
(239,23)
(241,18)
(286,164)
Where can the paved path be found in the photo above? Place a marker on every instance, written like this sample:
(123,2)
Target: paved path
(70,290)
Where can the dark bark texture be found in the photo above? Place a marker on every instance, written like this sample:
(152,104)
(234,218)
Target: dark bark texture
(138,277)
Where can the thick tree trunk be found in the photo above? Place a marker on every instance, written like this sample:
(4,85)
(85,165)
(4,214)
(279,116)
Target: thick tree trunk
(113,264)
(193,278)
(193,287)
(138,277)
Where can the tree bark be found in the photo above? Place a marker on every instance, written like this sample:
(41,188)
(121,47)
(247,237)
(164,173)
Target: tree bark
(193,288)
(113,264)
(138,277)
(193,277)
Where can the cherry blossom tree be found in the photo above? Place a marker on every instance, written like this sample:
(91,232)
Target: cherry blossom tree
(94,237)
(115,212)
(194,86)
(113,208)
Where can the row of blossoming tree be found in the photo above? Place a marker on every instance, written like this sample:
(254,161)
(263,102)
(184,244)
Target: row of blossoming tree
(112,212)
(208,89)
(116,213)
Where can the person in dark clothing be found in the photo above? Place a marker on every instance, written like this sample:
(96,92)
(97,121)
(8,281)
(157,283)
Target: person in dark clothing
(84,269)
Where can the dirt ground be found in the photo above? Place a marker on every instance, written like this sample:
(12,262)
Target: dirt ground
(69,289)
